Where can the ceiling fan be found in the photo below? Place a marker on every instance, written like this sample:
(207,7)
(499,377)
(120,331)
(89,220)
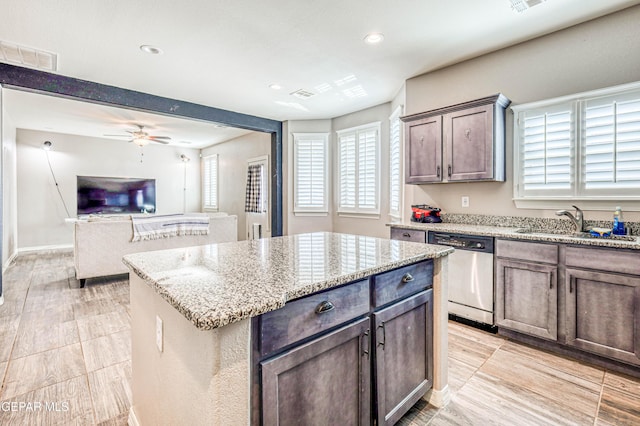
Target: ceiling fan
(142,138)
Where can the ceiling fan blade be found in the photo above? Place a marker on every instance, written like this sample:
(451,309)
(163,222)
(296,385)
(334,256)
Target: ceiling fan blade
(118,136)
(157,141)
(160,137)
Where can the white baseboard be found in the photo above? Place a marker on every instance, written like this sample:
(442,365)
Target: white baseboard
(1,300)
(132,420)
(439,398)
(55,247)
(9,261)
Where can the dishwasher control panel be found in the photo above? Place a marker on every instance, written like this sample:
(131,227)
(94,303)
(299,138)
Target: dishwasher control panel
(462,241)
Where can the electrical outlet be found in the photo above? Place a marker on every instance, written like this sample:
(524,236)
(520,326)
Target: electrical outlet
(159,336)
(465,201)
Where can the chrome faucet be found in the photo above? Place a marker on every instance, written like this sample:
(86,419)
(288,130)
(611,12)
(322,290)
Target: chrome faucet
(578,220)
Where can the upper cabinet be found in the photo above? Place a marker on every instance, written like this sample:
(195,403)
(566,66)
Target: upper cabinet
(459,143)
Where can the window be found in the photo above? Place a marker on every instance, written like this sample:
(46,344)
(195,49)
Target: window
(310,171)
(358,166)
(580,147)
(395,173)
(210,182)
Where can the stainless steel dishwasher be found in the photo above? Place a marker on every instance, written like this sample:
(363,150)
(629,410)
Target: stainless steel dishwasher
(470,275)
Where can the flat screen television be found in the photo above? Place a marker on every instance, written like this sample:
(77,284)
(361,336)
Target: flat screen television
(115,195)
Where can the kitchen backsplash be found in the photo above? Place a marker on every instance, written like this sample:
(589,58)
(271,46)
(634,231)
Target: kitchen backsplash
(531,222)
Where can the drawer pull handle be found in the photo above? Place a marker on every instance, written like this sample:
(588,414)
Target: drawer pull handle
(325,306)
(365,339)
(384,335)
(406,234)
(449,170)
(407,278)
(438,171)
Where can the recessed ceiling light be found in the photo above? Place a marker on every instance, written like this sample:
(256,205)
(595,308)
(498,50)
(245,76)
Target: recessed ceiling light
(275,86)
(374,38)
(152,50)
(522,5)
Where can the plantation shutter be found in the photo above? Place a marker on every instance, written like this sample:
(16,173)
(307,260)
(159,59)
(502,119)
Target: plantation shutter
(367,169)
(348,171)
(546,150)
(395,184)
(612,143)
(310,164)
(210,182)
(358,165)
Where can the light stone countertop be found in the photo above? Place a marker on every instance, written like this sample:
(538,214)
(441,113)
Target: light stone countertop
(218,284)
(541,235)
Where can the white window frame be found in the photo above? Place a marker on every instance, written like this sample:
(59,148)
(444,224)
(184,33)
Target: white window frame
(394,120)
(205,184)
(588,199)
(306,210)
(358,211)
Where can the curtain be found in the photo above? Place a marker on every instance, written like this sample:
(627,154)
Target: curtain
(253,198)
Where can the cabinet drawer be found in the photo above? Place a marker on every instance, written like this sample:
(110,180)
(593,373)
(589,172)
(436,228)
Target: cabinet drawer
(303,317)
(396,284)
(409,235)
(610,260)
(532,252)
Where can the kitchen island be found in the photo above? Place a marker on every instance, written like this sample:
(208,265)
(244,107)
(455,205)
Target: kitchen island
(215,327)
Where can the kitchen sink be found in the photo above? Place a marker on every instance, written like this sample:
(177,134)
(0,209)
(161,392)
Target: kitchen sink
(541,231)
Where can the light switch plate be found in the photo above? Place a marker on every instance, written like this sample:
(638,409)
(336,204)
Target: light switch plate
(159,336)
(465,201)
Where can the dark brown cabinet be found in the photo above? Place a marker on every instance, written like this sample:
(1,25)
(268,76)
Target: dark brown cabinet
(327,357)
(424,150)
(527,298)
(403,362)
(586,298)
(323,382)
(603,314)
(413,235)
(526,288)
(602,289)
(460,143)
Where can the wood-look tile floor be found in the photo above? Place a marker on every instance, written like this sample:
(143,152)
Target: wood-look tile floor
(69,350)
(65,352)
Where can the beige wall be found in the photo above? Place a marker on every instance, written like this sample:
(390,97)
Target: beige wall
(333,222)
(40,213)
(232,172)
(596,54)
(364,225)
(9,188)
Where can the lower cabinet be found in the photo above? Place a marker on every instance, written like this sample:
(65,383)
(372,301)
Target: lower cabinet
(403,361)
(364,363)
(527,298)
(526,288)
(324,382)
(603,313)
(596,301)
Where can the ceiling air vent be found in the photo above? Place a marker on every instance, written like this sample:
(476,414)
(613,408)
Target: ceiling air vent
(27,56)
(522,5)
(302,94)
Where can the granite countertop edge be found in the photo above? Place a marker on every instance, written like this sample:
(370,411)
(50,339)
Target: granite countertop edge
(512,233)
(219,319)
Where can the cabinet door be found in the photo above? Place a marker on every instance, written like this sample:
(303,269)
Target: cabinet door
(468,136)
(603,313)
(527,298)
(403,355)
(323,382)
(424,150)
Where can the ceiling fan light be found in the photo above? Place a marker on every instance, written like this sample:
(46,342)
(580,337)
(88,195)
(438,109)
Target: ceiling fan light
(141,141)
